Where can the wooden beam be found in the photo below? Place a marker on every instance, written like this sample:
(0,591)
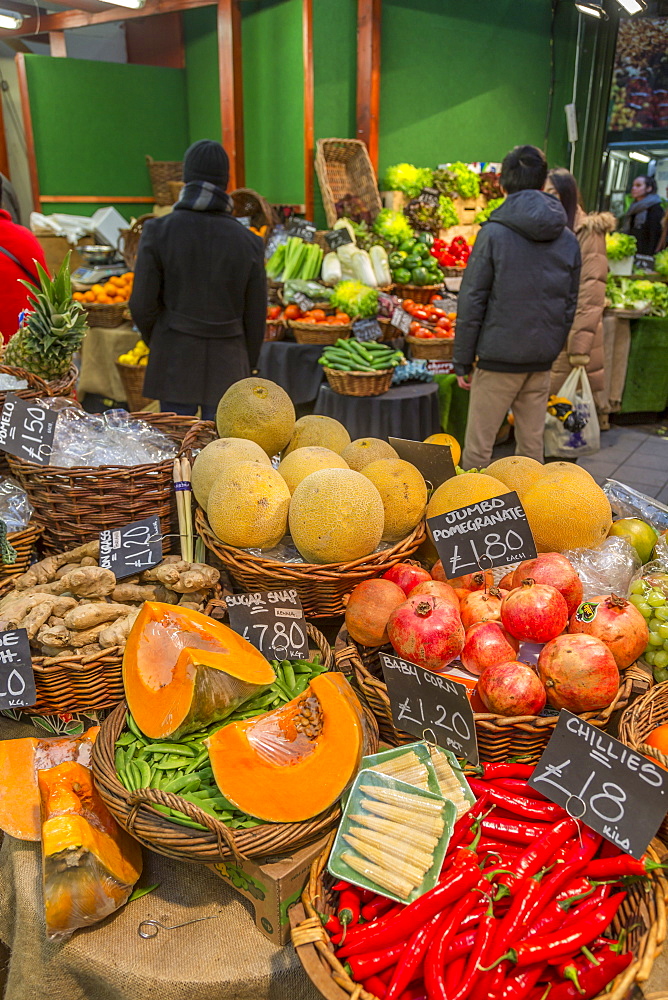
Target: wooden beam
(81,19)
(309,104)
(156,41)
(231,89)
(19,58)
(91,199)
(57,43)
(369,13)
(4,158)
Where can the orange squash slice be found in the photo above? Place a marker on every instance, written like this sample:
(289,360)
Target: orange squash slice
(89,863)
(182,670)
(19,762)
(290,764)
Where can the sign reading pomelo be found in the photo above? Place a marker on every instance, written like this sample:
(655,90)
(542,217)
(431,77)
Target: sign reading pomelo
(639,533)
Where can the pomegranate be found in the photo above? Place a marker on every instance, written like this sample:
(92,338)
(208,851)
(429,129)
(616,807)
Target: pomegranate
(368,609)
(437,589)
(534,612)
(482,606)
(617,623)
(486,645)
(407,575)
(506,582)
(579,673)
(427,631)
(438,573)
(472,581)
(555,570)
(511,688)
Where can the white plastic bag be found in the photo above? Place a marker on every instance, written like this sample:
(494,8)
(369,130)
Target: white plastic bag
(561,443)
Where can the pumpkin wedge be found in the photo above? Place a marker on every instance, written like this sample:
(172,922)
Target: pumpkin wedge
(89,863)
(290,764)
(183,670)
(19,762)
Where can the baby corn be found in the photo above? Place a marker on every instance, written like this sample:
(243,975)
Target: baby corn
(410,872)
(427,823)
(412,803)
(408,767)
(393,883)
(448,783)
(419,838)
(395,848)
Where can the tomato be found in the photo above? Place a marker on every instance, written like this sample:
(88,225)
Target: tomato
(444,323)
(414,326)
(273,312)
(420,313)
(340,320)
(423,333)
(318,315)
(343,317)
(439,314)
(452,316)
(293,312)
(408,304)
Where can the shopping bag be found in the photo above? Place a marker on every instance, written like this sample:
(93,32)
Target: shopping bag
(564,441)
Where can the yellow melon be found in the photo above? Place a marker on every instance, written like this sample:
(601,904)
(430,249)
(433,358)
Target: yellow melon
(461,491)
(363,451)
(258,410)
(301,463)
(320,431)
(403,492)
(566,509)
(336,515)
(449,441)
(217,456)
(248,506)
(517,472)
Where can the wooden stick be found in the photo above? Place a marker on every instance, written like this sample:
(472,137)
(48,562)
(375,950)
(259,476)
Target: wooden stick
(180,509)
(186,474)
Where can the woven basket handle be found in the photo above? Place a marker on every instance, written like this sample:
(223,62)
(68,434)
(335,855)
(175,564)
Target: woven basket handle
(158,797)
(344,660)
(657,755)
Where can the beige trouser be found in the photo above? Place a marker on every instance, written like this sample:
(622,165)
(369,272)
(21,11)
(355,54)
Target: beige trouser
(492,395)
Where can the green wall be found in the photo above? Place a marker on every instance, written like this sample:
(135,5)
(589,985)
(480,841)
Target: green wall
(202,78)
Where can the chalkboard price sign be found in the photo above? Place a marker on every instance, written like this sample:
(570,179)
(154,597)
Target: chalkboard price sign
(367,329)
(430,706)
(302,228)
(429,196)
(434,461)
(617,792)
(17,678)
(338,238)
(402,320)
(273,622)
(490,533)
(27,430)
(132,548)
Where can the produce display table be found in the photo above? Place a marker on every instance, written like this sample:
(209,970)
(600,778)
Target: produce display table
(99,351)
(616,344)
(407,411)
(292,366)
(646,386)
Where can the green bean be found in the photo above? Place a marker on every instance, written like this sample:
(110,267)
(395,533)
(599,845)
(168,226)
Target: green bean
(156,778)
(202,804)
(301,685)
(122,777)
(183,820)
(183,783)
(199,735)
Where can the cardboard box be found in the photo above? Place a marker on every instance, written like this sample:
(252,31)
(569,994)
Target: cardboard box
(55,250)
(272,887)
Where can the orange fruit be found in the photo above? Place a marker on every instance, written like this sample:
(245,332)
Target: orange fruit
(517,472)
(128,276)
(89,296)
(116,280)
(641,535)
(78,297)
(95,289)
(658,738)
(109,289)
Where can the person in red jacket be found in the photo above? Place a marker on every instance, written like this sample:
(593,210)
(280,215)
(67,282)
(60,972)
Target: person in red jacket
(19,250)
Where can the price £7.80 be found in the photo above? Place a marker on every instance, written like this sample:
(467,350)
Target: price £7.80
(276,637)
(495,549)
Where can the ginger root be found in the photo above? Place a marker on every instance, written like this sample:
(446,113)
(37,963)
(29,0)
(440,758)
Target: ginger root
(183,577)
(136,592)
(35,618)
(54,636)
(45,570)
(87,581)
(88,615)
(116,634)
(85,637)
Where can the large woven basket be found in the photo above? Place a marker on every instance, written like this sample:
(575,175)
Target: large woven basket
(132,377)
(359,383)
(24,543)
(129,240)
(65,384)
(643,914)
(161,173)
(418,293)
(74,505)
(79,683)
(637,723)
(438,349)
(321,589)
(105,313)
(219,843)
(343,168)
(318,333)
(248,204)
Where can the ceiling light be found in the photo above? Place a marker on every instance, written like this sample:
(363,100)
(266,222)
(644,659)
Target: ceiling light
(135,4)
(594,8)
(642,157)
(632,6)
(10,21)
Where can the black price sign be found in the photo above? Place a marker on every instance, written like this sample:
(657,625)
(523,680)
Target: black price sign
(132,548)
(434,461)
(338,238)
(490,533)
(401,319)
(17,679)
(27,430)
(303,301)
(595,778)
(302,228)
(448,303)
(429,705)
(643,262)
(429,196)
(273,622)
(367,329)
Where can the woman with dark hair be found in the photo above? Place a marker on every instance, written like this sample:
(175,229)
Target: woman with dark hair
(643,219)
(584,345)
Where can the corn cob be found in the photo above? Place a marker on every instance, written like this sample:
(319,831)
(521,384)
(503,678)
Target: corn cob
(393,883)
(374,854)
(396,848)
(419,838)
(413,803)
(414,821)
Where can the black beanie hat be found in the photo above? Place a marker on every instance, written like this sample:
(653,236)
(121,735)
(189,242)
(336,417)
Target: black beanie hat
(206,160)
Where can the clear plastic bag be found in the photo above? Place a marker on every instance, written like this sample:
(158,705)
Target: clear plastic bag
(627,502)
(608,569)
(93,440)
(15,508)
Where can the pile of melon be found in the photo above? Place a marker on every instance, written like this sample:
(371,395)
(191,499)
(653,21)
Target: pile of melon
(338,499)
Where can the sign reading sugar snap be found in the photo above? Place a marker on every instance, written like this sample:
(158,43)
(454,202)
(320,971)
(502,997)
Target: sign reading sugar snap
(132,548)
(490,533)
(27,429)
(273,622)
(17,678)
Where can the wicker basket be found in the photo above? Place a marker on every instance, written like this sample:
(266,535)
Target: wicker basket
(437,349)
(359,383)
(74,505)
(132,377)
(418,293)
(248,204)
(343,167)
(24,543)
(275,331)
(321,589)
(219,843)
(319,333)
(499,737)
(79,683)
(129,240)
(175,188)
(65,384)
(637,723)
(642,913)
(105,313)
(161,173)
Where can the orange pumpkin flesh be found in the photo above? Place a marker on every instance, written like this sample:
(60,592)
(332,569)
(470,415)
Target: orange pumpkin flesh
(182,670)
(290,764)
(19,763)
(89,863)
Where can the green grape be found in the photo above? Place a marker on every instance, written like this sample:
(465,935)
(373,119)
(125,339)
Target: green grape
(649,655)
(655,639)
(665,644)
(646,611)
(653,624)
(637,599)
(638,587)
(660,676)
(661,659)
(662,613)
(662,629)
(656,599)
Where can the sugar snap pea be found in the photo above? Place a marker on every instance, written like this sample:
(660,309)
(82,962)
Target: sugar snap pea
(171,763)
(132,725)
(144,773)
(178,748)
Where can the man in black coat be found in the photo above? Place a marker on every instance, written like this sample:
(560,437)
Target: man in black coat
(199,296)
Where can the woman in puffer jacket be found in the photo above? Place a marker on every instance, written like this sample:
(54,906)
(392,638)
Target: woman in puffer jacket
(584,345)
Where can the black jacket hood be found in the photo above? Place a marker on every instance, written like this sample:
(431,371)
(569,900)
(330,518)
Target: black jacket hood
(533,214)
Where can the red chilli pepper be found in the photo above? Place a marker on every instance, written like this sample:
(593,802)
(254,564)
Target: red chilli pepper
(340,886)
(376,986)
(569,939)
(377,907)
(519,787)
(621,866)
(515,831)
(373,963)
(519,805)
(593,979)
(542,852)
(349,907)
(454,970)
(519,984)
(482,943)
(507,770)
(413,957)
(333,925)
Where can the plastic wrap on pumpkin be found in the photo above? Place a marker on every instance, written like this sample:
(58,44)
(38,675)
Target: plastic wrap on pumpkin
(289,765)
(89,863)
(183,671)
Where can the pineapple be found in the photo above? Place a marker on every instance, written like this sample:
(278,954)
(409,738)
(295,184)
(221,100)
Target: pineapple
(52,331)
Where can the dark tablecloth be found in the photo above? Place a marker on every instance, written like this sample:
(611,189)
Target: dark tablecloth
(292,366)
(407,411)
